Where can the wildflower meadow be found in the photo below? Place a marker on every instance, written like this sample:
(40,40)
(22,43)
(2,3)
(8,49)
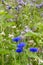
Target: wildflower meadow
(21,32)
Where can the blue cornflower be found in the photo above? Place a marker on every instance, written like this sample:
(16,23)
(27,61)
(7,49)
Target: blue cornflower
(33,49)
(21,45)
(16,39)
(19,50)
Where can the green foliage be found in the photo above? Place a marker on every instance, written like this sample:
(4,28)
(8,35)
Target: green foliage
(12,23)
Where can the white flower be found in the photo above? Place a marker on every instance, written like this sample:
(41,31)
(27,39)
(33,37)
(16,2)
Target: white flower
(26,30)
(11,36)
(22,32)
(4,39)
(2,33)
(17,30)
(19,6)
(22,36)
(40,61)
(13,26)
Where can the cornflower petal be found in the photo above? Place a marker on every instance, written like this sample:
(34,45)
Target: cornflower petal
(19,50)
(21,45)
(16,39)
(33,49)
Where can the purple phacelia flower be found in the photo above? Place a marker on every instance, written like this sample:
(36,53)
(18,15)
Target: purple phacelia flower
(19,50)
(39,5)
(17,8)
(33,49)
(21,45)
(21,2)
(16,39)
(2,1)
(8,7)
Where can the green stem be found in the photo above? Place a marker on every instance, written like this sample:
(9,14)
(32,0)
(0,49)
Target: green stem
(2,59)
(2,45)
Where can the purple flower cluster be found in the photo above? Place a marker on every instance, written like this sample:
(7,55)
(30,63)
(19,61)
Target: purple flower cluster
(39,6)
(21,2)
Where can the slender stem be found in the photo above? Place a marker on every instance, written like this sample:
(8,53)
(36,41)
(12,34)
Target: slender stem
(2,59)
(2,48)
